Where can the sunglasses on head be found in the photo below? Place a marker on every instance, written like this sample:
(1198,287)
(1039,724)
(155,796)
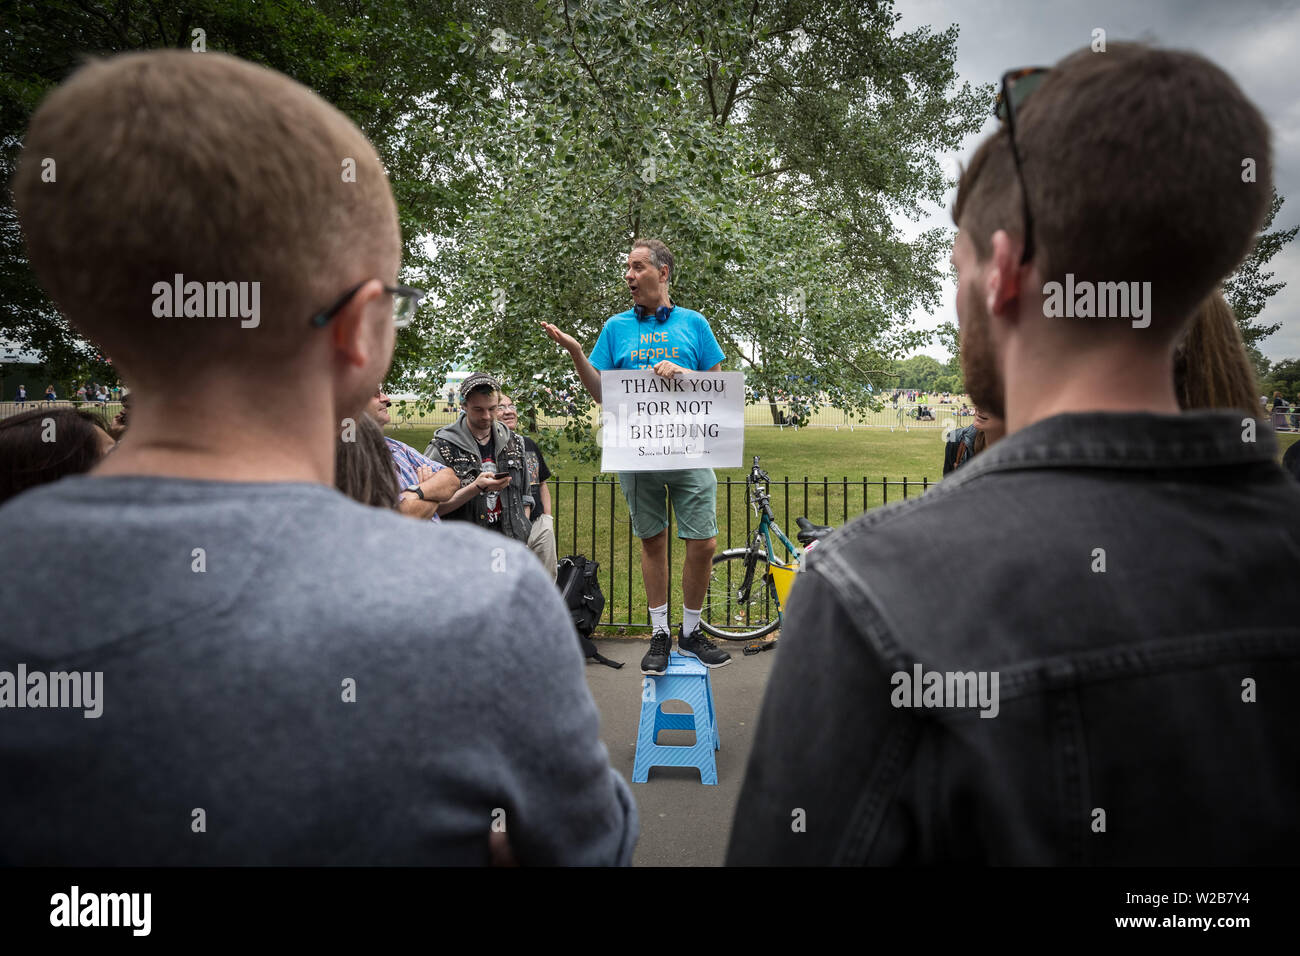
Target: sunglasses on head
(1017,85)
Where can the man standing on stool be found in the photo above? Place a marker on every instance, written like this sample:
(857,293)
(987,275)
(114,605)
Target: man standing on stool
(658,335)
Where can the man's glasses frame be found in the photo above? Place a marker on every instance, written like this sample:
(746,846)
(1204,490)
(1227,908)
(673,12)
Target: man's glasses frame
(406,303)
(1016,87)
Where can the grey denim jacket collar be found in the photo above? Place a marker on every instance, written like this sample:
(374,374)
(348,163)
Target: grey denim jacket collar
(1129,440)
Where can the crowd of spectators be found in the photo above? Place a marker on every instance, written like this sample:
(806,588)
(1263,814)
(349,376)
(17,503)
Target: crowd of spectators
(89,392)
(1115,502)
(459,481)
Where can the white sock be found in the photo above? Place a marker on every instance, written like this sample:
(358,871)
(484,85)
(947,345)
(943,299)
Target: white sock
(659,618)
(690,620)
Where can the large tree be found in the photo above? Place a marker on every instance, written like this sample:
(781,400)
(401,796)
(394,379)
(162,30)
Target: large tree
(919,372)
(771,142)
(768,142)
(382,62)
(1284,377)
(1248,289)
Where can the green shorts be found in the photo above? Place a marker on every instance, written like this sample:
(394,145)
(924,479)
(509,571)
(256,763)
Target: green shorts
(694,493)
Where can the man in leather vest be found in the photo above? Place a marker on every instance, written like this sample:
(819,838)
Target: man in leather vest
(492,497)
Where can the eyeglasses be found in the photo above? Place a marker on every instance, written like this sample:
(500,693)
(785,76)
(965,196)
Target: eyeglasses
(1016,87)
(406,303)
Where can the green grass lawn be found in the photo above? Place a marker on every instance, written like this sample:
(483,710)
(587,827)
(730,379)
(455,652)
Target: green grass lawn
(409,414)
(591,516)
(815,452)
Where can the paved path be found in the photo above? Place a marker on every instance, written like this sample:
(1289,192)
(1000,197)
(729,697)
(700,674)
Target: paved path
(683,822)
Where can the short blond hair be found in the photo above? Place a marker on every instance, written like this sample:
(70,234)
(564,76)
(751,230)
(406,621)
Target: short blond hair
(170,162)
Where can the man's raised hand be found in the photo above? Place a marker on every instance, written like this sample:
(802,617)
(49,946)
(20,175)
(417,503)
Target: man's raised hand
(569,343)
(586,372)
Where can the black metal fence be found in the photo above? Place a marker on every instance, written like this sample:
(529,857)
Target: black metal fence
(905,417)
(591,518)
(108,409)
(781,415)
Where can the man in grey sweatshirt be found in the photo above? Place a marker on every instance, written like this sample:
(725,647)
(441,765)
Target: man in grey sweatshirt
(282,675)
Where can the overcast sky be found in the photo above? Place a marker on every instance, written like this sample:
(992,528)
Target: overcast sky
(1256,41)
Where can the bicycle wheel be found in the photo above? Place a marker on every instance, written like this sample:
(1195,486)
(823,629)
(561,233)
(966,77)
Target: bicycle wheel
(741,603)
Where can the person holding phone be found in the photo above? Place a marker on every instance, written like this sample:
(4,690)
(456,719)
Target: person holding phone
(488,459)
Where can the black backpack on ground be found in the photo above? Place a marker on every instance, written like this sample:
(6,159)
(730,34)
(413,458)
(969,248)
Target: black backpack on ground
(580,589)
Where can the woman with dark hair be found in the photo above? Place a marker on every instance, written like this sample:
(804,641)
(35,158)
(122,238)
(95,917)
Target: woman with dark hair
(45,445)
(363,467)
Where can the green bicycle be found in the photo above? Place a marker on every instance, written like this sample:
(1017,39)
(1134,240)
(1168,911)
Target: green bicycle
(748,587)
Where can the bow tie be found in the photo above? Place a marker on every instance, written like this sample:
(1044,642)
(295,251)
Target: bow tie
(660,314)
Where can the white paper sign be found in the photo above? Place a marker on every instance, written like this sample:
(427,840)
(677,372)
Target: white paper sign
(652,423)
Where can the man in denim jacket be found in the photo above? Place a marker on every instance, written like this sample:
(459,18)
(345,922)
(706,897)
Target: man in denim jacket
(1119,684)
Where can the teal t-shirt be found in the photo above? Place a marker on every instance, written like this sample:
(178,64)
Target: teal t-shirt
(627,342)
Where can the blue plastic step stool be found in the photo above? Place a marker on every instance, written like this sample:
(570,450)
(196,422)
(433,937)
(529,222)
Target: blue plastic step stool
(686,680)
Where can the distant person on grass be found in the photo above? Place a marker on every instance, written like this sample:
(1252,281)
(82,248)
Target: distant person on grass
(328,683)
(1116,548)
(684,344)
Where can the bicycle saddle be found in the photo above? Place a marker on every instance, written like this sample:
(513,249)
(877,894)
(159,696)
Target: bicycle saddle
(809,532)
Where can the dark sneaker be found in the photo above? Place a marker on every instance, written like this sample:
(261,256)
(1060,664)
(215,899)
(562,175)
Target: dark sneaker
(701,648)
(655,661)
